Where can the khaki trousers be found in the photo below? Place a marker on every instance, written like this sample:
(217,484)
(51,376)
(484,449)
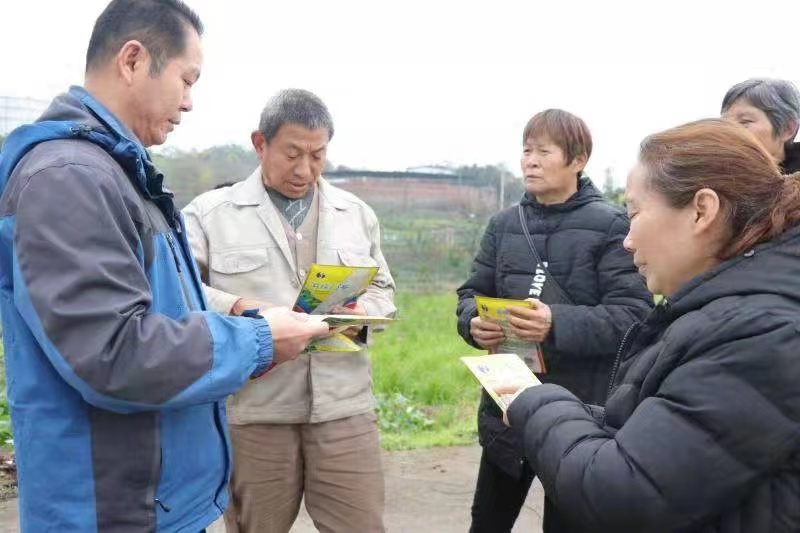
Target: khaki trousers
(336,465)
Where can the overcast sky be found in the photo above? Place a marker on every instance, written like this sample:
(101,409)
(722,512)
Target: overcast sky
(438,81)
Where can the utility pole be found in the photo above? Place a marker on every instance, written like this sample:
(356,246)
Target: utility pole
(502,189)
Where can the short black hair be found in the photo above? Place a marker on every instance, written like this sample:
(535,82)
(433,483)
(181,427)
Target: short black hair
(294,106)
(160,25)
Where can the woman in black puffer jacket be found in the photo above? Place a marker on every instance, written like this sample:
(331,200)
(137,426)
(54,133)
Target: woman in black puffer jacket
(579,237)
(702,431)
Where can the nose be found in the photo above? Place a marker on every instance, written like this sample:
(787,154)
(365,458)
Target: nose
(303,168)
(187,104)
(627,243)
(530,161)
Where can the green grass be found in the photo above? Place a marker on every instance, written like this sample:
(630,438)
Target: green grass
(417,357)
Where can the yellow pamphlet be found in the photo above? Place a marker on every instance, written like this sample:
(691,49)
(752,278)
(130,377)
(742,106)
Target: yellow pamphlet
(330,286)
(327,287)
(501,374)
(336,342)
(494,310)
(335,321)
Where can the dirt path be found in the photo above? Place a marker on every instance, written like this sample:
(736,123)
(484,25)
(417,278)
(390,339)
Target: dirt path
(427,491)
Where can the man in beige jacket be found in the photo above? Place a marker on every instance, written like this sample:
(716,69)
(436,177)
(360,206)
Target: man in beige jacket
(308,427)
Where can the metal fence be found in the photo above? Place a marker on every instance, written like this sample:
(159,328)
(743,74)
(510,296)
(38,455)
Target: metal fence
(17,111)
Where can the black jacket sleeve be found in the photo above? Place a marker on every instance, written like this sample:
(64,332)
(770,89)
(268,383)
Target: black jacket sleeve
(480,282)
(596,331)
(720,422)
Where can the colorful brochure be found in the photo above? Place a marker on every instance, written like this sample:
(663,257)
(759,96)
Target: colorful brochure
(338,323)
(337,342)
(329,286)
(494,310)
(335,321)
(501,374)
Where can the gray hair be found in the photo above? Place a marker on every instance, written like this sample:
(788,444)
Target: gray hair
(778,99)
(295,106)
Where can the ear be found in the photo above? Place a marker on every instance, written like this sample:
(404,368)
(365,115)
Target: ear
(132,59)
(579,163)
(259,143)
(707,210)
(789,131)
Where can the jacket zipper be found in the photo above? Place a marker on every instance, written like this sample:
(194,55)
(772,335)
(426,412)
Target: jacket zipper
(617,359)
(221,430)
(155,476)
(184,287)
(658,309)
(187,252)
(163,506)
(217,407)
(217,420)
(81,130)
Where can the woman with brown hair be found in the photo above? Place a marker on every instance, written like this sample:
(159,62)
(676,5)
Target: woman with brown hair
(701,432)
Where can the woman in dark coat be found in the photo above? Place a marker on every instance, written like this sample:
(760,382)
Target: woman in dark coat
(702,430)
(770,109)
(579,238)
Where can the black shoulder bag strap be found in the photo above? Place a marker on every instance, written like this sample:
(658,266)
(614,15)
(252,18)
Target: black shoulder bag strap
(552,292)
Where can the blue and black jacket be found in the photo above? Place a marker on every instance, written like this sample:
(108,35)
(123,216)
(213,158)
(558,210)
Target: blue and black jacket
(116,371)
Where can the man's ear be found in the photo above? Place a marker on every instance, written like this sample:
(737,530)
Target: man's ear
(707,210)
(259,142)
(132,59)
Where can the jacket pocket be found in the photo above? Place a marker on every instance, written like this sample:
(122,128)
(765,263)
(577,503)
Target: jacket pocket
(351,258)
(239,261)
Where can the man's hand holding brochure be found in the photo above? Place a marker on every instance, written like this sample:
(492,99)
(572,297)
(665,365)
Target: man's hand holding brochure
(330,294)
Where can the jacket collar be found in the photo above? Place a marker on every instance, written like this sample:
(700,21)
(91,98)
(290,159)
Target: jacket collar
(252,192)
(123,145)
(586,193)
(78,114)
(104,117)
(772,267)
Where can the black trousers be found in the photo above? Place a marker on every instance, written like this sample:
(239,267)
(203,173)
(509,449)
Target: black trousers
(499,498)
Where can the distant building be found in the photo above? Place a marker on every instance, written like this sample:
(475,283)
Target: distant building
(416,191)
(432,169)
(17,111)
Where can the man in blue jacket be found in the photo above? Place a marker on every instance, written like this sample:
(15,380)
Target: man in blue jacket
(116,371)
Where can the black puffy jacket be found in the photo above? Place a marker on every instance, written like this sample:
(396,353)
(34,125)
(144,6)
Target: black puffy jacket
(791,160)
(581,240)
(702,431)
